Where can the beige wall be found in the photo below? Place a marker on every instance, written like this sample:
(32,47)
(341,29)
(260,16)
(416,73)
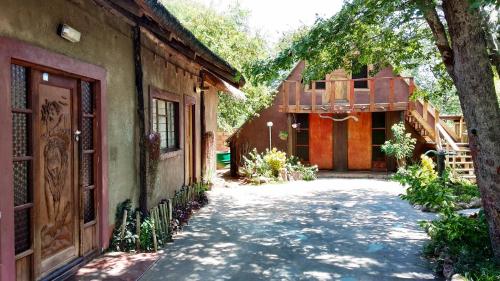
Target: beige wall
(176,75)
(106,41)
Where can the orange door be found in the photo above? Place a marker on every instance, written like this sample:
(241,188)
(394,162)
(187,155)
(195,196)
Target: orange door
(360,142)
(320,142)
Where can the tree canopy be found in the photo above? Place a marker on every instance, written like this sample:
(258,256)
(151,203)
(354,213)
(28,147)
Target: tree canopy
(370,31)
(227,34)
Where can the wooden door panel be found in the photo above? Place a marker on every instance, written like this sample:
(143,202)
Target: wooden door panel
(320,141)
(57,235)
(360,142)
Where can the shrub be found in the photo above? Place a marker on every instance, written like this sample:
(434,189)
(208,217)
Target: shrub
(275,160)
(427,189)
(401,146)
(464,243)
(272,164)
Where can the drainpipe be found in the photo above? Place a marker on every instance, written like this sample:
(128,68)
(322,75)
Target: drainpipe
(139,89)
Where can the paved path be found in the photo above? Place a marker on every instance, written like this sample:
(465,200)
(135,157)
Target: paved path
(329,229)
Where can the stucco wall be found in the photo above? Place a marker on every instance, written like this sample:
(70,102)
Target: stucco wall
(174,74)
(106,41)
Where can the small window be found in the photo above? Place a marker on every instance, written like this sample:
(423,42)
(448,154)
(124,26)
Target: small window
(360,72)
(165,121)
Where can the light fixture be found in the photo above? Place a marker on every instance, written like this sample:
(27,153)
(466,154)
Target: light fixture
(295,125)
(270,125)
(69,33)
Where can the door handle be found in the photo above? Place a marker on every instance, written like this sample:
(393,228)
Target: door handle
(77,135)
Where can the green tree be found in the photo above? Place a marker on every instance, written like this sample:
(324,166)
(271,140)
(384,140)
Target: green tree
(401,146)
(227,33)
(398,32)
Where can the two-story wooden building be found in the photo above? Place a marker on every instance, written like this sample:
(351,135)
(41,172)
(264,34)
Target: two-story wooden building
(340,123)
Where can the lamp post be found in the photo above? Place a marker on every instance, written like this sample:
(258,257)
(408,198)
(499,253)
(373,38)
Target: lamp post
(270,125)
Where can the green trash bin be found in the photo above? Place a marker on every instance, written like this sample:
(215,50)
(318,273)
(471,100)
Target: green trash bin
(223,158)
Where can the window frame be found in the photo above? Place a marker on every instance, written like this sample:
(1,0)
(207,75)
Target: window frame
(155,93)
(364,83)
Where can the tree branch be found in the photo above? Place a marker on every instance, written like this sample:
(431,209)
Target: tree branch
(491,43)
(431,16)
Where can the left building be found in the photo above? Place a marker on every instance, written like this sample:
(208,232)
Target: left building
(82,83)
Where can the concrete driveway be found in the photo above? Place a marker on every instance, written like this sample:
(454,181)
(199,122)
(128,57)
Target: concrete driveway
(329,229)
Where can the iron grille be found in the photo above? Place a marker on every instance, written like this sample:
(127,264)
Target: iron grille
(87,98)
(19,89)
(88,206)
(22,230)
(20,134)
(87,133)
(21,184)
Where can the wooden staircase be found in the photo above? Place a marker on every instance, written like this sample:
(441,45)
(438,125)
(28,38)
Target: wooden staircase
(436,130)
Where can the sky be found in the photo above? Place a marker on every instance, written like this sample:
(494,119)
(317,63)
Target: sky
(274,17)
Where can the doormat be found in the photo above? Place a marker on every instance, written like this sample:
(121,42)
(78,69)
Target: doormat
(116,266)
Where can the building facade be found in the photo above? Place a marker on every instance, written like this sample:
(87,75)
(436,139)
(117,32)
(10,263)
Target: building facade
(82,85)
(340,123)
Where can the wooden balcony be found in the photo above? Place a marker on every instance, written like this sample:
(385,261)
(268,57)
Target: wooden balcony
(346,96)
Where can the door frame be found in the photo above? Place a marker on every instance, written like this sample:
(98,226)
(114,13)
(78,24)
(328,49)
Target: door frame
(12,50)
(190,103)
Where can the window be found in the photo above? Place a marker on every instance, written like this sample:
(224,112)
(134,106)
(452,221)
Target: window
(165,121)
(360,72)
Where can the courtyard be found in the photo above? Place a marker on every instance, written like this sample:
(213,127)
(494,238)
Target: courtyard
(328,229)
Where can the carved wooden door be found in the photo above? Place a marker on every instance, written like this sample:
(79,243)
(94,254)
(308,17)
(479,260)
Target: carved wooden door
(56,222)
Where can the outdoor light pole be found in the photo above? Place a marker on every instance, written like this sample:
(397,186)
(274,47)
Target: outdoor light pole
(270,125)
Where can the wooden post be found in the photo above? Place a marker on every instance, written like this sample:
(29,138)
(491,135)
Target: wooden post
(391,94)
(137,230)
(425,108)
(297,95)
(372,94)
(313,98)
(169,202)
(139,91)
(461,129)
(332,94)
(124,224)
(285,95)
(155,242)
(436,131)
(351,98)
(411,89)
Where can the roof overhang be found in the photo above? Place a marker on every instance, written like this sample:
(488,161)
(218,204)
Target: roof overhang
(153,16)
(224,86)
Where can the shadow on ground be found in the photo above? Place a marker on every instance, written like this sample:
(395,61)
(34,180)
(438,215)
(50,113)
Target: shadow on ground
(331,229)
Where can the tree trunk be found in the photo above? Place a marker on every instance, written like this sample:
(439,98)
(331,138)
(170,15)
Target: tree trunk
(472,74)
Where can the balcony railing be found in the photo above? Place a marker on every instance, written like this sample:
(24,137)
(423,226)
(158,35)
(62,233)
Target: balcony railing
(347,95)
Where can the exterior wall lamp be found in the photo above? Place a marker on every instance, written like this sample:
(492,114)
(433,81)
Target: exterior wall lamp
(69,33)
(270,125)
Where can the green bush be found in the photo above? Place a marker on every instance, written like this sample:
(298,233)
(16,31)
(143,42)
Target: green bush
(270,164)
(463,242)
(401,146)
(425,188)
(275,160)
(456,240)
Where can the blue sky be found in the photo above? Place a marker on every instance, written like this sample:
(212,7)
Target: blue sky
(273,17)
